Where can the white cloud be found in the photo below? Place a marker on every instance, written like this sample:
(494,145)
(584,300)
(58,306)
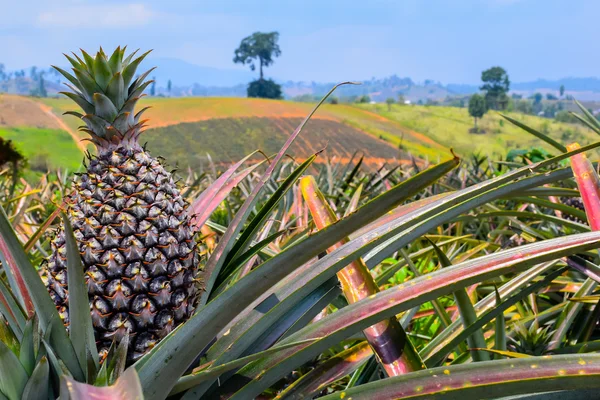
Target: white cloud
(98,16)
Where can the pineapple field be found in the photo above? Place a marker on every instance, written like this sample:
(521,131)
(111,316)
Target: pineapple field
(309,273)
(200,124)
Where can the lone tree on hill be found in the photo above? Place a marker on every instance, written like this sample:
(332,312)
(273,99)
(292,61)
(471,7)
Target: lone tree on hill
(260,49)
(561,90)
(153,87)
(389,101)
(477,108)
(496,86)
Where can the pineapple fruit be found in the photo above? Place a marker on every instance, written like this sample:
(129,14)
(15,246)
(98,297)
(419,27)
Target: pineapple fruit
(130,221)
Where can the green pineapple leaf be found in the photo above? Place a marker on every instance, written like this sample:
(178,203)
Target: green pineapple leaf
(45,310)
(69,77)
(89,61)
(104,108)
(537,134)
(75,62)
(358,316)
(11,310)
(115,60)
(39,382)
(138,82)
(88,84)
(27,351)
(131,67)
(102,71)
(85,105)
(466,310)
(13,376)
(496,379)
(81,330)
(116,90)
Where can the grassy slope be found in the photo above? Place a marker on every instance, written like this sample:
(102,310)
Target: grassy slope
(450,127)
(39,145)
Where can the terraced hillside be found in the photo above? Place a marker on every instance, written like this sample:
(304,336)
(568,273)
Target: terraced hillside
(230,139)
(342,129)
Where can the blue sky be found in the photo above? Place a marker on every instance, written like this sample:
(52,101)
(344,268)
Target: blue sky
(321,40)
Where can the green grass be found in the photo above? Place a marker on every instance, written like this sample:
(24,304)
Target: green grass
(53,147)
(450,126)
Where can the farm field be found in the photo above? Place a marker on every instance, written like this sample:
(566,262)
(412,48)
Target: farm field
(186,131)
(230,139)
(171,111)
(450,126)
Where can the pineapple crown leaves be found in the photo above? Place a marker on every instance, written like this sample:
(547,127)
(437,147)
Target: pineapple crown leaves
(105,89)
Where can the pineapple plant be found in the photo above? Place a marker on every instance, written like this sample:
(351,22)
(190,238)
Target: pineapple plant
(131,223)
(254,324)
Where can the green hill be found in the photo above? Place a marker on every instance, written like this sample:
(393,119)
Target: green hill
(450,126)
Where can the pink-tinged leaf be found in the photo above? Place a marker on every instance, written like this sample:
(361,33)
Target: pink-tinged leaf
(209,200)
(212,318)
(399,212)
(387,338)
(21,288)
(330,371)
(227,242)
(588,184)
(210,371)
(506,353)
(357,316)
(490,379)
(127,387)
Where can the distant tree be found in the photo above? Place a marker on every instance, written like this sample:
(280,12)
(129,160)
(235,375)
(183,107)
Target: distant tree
(401,99)
(364,99)
(516,96)
(40,90)
(153,87)
(477,108)
(10,156)
(562,90)
(33,73)
(565,116)
(2,72)
(537,98)
(264,88)
(495,85)
(169,86)
(259,48)
(334,100)
(389,101)
(42,86)
(550,96)
(524,106)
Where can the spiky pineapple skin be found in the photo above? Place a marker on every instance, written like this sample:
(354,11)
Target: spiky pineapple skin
(137,247)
